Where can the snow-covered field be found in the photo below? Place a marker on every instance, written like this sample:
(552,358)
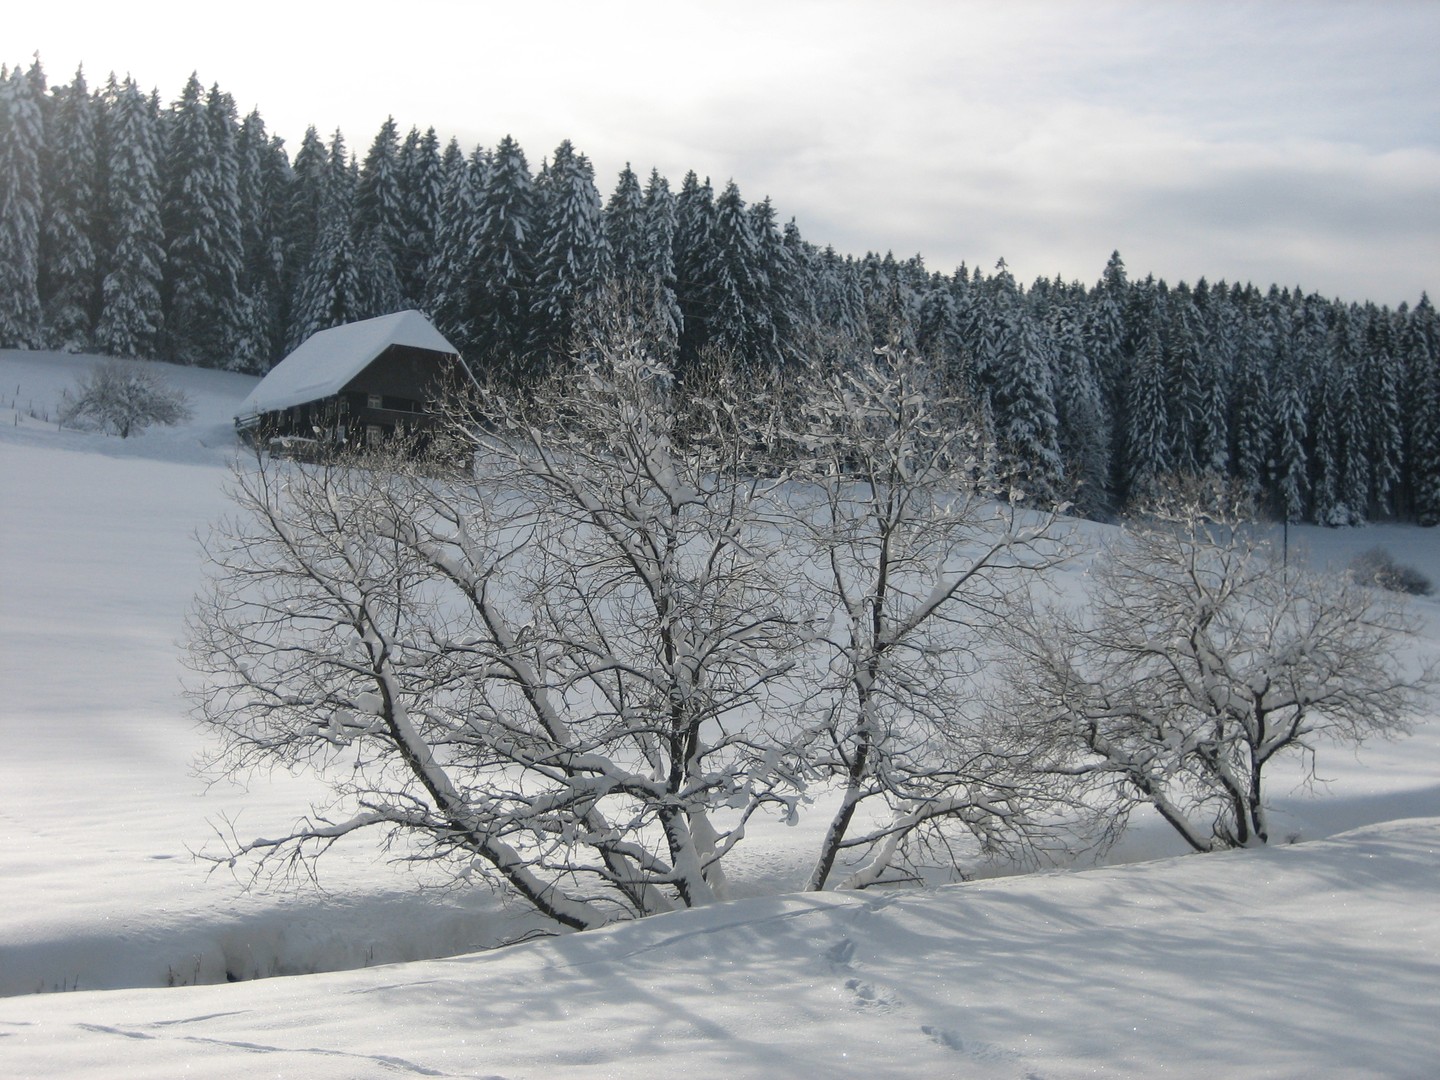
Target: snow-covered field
(1320,958)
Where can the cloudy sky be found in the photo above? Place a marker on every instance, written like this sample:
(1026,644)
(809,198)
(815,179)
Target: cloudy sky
(1295,142)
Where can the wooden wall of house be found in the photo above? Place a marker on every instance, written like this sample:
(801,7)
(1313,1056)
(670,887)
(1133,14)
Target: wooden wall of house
(405,374)
(407,380)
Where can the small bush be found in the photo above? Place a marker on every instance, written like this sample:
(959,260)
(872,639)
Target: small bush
(1376,567)
(123,399)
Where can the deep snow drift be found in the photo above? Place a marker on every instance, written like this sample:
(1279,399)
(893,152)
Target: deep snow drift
(1321,958)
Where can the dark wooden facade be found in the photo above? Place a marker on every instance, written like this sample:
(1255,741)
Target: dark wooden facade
(394,394)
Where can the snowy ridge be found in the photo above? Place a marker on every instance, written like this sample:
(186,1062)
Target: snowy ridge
(1305,961)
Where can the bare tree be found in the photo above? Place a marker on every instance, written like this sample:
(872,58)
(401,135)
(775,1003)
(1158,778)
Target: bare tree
(559,669)
(917,556)
(1199,659)
(124,398)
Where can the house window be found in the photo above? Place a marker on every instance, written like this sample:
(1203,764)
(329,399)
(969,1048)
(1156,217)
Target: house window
(373,434)
(374,401)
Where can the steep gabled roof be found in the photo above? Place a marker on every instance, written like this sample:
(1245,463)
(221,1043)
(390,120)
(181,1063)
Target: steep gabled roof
(326,361)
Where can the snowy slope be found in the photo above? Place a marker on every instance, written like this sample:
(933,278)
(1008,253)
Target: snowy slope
(1312,959)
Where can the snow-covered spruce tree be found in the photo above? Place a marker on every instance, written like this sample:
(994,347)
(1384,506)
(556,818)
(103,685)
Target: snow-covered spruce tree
(782,252)
(840,299)
(22,138)
(1083,420)
(693,239)
(1198,659)
(1381,379)
(1350,420)
(201,214)
(739,321)
(1146,433)
(658,258)
(130,311)
(451,291)
(378,226)
(1016,367)
(624,225)
(504,261)
(892,292)
(422,185)
(1185,379)
(1422,354)
(570,251)
(331,289)
(561,671)
(263,178)
(301,216)
(916,562)
(1290,467)
(69,283)
(1251,429)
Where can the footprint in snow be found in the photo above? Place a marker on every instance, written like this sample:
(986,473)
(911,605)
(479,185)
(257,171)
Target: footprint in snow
(951,1039)
(873,998)
(840,953)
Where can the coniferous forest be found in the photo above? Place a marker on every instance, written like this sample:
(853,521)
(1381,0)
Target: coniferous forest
(181,231)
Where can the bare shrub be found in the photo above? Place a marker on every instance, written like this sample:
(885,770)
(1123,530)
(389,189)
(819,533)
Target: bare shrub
(1378,567)
(123,399)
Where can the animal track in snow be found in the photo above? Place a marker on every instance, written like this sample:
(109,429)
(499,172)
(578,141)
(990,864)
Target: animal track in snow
(873,998)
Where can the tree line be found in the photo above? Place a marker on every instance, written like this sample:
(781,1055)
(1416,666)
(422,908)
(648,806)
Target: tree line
(186,233)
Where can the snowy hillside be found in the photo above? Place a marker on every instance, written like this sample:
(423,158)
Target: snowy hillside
(1319,958)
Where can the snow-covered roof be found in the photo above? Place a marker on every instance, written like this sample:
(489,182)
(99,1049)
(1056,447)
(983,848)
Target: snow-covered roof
(326,361)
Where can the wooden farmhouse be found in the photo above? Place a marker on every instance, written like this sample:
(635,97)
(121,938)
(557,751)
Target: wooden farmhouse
(353,385)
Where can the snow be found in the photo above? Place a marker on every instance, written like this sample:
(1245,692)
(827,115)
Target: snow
(1319,958)
(326,361)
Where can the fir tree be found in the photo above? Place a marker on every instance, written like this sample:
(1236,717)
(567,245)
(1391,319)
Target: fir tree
(1422,353)
(451,290)
(1147,436)
(694,259)
(302,215)
(780,274)
(1291,465)
(1381,377)
(130,313)
(658,259)
(1351,440)
(892,302)
(201,218)
(625,227)
(570,250)
(1252,405)
(935,334)
(263,179)
(422,183)
(738,321)
(330,290)
(1185,395)
(22,138)
(69,279)
(504,259)
(1326,504)
(1017,368)
(228,262)
(839,298)
(378,226)
(1084,424)
(1110,348)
